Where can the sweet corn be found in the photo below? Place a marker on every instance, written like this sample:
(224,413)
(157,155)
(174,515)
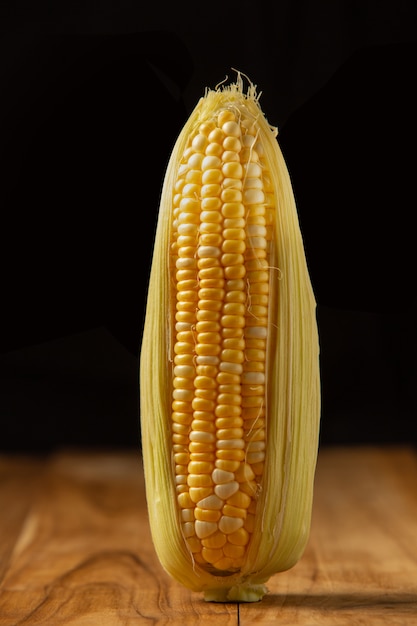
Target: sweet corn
(229,367)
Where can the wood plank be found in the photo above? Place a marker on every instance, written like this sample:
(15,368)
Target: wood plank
(19,481)
(360,565)
(83,555)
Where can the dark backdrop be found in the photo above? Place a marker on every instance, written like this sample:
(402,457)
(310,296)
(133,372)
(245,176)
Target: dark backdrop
(93,96)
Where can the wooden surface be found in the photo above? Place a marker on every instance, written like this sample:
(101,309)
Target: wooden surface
(75,547)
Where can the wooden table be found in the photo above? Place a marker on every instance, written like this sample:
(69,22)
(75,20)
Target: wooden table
(75,547)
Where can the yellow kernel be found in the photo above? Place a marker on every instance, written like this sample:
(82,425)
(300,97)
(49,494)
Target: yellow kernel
(199,142)
(206,127)
(202,456)
(182,458)
(233,455)
(234,246)
(225,378)
(214,149)
(229,259)
(204,382)
(182,383)
(240,537)
(199,480)
(235,271)
(249,524)
(198,493)
(210,189)
(217,540)
(232,143)
(212,176)
(233,209)
(200,468)
(227,464)
(234,233)
(207,370)
(232,399)
(232,169)
(206,515)
(202,404)
(228,422)
(210,239)
(211,555)
(234,321)
(224,116)
(234,511)
(240,500)
(233,551)
(231,128)
(229,433)
(181,418)
(224,411)
(231,195)
(197,447)
(184,500)
(208,394)
(224,564)
(181,429)
(216,136)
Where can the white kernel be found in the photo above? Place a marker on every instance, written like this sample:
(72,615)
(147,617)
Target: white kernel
(230,524)
(257,242)
(255,457)
(231,368)
(256,332)
(207,360)
(184,371)
(253,378)
(183,169)
(230,444)
(226,490)
(256,230)
(187,515)
(205,529)
(253,170)
(212,502)
(208,252)
(202,436)
(256,446)
(253,196)
(248,140)
(188,529)
(259,148)
(253,183)
(232,183)
(220,476)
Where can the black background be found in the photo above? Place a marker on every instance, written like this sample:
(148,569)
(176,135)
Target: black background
(93,96)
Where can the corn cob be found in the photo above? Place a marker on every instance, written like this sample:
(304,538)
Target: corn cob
(229,371)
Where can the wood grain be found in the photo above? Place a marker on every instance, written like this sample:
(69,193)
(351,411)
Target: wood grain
(76,549)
